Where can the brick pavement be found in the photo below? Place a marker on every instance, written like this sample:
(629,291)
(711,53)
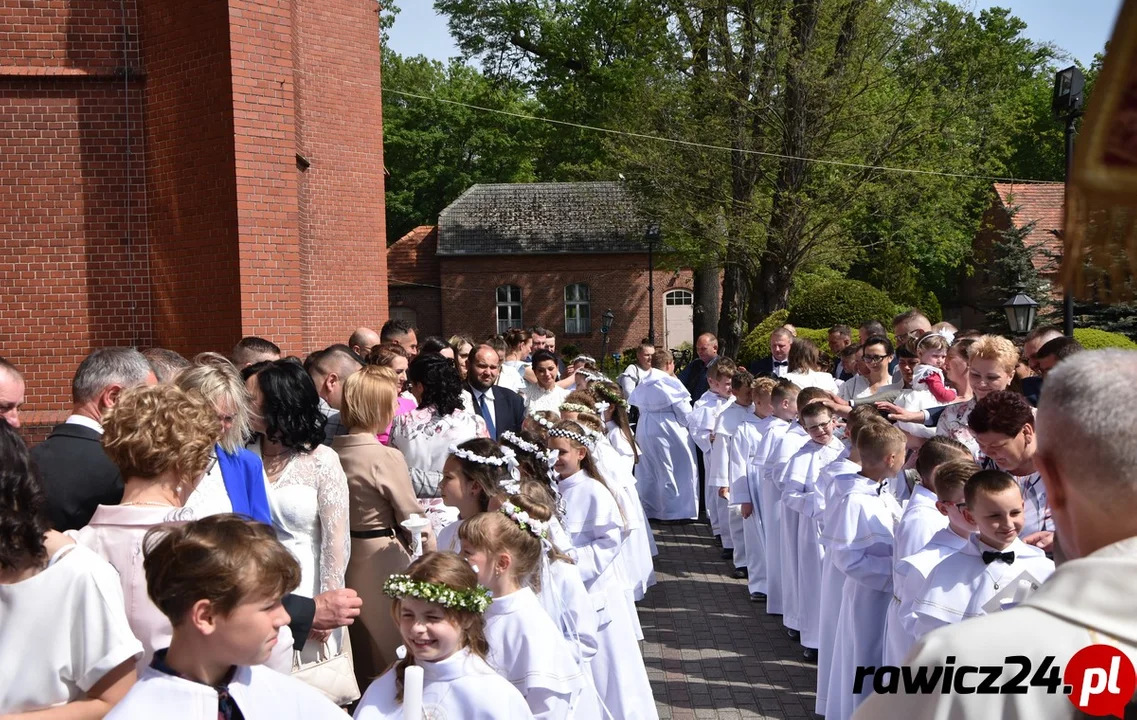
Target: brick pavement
(710,652)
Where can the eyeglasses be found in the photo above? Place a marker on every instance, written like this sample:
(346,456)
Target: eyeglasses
(874,359)
(961,506)
(820,427)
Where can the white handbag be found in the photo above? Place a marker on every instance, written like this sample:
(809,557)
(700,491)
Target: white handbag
(332,675)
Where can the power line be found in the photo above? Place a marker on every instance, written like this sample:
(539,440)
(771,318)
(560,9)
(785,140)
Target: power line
(707,146)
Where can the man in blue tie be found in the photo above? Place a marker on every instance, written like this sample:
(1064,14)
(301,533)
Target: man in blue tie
(500,407)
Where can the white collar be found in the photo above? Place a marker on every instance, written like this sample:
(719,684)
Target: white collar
(452,668)
(510,603)
(85,422)
(922,496)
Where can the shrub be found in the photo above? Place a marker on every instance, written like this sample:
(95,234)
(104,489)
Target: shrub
(851,302)
(1098,339)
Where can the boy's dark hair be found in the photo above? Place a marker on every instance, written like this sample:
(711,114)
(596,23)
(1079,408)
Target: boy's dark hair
(987,482)
(742,378)
(937,451)
(225,559)
(722,368)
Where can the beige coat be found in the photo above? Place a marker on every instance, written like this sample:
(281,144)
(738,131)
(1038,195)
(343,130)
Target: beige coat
(381,497)
(1085,602)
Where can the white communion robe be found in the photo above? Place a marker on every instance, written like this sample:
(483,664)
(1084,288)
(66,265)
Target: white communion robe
(629,458)
(701,423)
(566,601)
(802,506)
(592,519)
(667,476)
(528,650)
(729,460)
(961,584)
(836,481)
(785,447)
(862,535)
(907,580)
(1087,601)
(260,693)
(461,686)
(771,507)
(747,489)
(618,467)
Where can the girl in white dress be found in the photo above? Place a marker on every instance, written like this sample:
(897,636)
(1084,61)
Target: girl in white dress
(526,646)
(307,487)
(471,476)
(805,367)
(438,606)
(596,527)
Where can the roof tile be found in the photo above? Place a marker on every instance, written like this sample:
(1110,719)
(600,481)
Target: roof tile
(1043,204)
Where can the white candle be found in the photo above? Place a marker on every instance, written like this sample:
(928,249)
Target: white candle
(412,693)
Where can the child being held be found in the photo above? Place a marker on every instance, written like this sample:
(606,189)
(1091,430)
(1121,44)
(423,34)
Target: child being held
(931,350)
(220,581)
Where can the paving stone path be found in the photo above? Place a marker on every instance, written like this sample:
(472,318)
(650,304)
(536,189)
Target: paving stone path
(710,652)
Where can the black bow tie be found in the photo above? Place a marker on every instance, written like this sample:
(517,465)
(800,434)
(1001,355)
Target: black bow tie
(990,557)
(778,363)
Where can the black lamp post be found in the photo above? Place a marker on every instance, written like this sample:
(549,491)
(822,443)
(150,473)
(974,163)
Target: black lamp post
(1021,311)
(1066,104)
(652,237)
(605,328)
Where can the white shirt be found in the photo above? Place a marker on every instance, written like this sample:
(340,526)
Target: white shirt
(631,378)
(781,367)
(476,396)
(85,422)
(62,630)
(538,398)
(210,496)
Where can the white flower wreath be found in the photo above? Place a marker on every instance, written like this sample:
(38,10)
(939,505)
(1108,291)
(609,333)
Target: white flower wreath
(536,528)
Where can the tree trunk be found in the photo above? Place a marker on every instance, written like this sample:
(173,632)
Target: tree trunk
(735,293)
(706,310)
(770,290)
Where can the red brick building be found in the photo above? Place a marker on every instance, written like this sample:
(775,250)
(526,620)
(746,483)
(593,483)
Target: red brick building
(1036,207)
(181,174)
(552,254)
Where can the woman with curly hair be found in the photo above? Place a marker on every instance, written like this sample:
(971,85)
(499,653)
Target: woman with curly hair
(162,439)
(425,435)
(68,646)
(307,487)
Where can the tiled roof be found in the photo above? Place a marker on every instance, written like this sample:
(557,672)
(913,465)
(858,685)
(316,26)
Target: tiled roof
(1042,204)
(413,258)
(542,218)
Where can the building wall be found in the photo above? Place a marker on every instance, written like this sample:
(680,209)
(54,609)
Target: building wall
(424,302)
(73,234)
(615,281)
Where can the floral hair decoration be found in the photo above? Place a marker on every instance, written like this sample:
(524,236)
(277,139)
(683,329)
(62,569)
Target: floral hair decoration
(508,460)
(602,407)
(515,439)
(537,528)
(584,359)
(542,421)
(591,376)
(575,407)
(471,600)
(610,395)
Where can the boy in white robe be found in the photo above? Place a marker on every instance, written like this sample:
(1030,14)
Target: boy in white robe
(667,476)
(862,536)
(735,442)
(835,482)
(921,520)
(912,572)
(701,424)
(961,586)
(745,492)
(801,514)
(220,580)
(786,447)
(784,401)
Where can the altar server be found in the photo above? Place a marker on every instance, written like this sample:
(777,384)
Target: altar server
(701,422)
(784,400)
(961,586)
(861,540)
(667,476)
(735,441)
(746,492)
(439,605)
(525,645)
(220,581)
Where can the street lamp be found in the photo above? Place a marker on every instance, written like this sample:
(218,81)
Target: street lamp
(605,328)
(1021,311)
(652,237)
(1066,104)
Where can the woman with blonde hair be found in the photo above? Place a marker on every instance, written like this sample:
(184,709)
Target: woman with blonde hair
(234,481)
(990,368)
(380,498)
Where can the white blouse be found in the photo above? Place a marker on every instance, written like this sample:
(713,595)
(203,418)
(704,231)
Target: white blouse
(210,496)
(424,438)
(61,631)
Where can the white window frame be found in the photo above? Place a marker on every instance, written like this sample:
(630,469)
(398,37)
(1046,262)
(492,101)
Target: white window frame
(578,309)
(686,295)
(511,305)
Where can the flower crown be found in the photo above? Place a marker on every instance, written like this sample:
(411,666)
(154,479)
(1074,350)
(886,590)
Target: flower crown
(537,528)
(576,437)
(576,408)
(602,407)
(541,420)
(471,600)
(508,460)
(513,438)
(584,359)
(590,376)
(610,395)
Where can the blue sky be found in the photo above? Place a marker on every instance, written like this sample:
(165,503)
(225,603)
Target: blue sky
(1081,27)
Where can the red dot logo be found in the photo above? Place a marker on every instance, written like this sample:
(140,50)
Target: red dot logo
(1103,680)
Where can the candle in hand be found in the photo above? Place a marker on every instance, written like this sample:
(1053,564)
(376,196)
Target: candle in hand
(412,693)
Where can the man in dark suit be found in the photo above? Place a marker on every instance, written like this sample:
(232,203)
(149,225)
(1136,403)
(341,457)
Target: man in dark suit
(694,376)
(777,364)
(500,407)
(840,337)
(77,475)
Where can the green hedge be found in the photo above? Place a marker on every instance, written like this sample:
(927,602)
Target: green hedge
(1098,339)
(850,302)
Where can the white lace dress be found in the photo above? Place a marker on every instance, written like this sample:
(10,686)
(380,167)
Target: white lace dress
(309,510)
